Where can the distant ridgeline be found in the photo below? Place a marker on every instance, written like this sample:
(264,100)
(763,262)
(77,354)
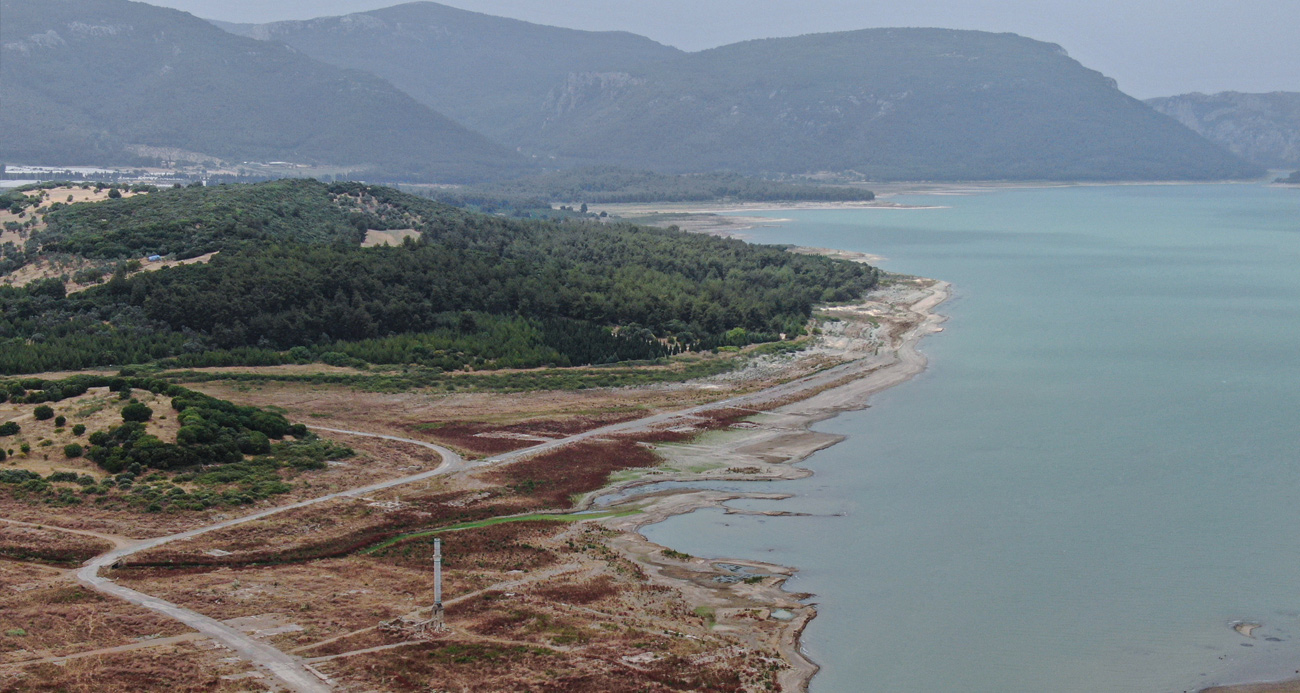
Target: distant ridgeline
(1263,128)
(612,184)
(900,104)
(1293,179)
(291,283)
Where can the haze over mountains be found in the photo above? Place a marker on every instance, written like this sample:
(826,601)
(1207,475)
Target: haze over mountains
(887,103)
(376,88)
(489,73)
(102,81)
(1263,128)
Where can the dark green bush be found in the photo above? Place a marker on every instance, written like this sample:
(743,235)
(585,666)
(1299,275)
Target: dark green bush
(136,412)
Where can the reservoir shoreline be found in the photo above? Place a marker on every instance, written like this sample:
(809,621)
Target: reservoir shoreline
(1069,249)
(781,438)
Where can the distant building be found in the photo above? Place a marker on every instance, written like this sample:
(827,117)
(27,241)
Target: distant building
(155,258)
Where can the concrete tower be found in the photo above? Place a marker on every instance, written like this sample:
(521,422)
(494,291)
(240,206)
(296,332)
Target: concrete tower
(438,623)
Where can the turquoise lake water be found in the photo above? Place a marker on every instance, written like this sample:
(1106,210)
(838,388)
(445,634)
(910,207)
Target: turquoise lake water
(1100,471)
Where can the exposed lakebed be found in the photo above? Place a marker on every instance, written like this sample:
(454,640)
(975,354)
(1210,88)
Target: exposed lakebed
(1098,477)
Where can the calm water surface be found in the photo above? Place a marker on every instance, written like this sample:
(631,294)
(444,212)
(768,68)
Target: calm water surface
(1099,473)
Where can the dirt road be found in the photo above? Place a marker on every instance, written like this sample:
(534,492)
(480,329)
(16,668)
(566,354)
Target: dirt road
(285,667)
(291,670)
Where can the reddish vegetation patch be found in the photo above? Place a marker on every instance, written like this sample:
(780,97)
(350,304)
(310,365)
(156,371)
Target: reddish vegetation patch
(555,477)
(491,439)
(47,545)
(507,546)
(465,436)
(697,424)
(580,593)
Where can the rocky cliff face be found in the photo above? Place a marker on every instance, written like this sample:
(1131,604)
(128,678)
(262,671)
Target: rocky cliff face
(1263,128)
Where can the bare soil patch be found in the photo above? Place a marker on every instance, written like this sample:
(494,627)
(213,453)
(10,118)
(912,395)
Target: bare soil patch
(389,237)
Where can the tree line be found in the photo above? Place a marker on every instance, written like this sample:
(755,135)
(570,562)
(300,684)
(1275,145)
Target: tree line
(474,289)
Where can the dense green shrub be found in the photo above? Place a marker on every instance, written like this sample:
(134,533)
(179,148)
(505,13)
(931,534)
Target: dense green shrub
(72,450)
(136,412)
(43,413)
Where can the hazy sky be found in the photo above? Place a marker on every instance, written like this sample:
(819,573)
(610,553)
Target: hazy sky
(1152,47)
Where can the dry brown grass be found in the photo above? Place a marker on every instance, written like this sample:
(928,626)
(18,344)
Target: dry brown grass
(15,573)
(567,632)
(47,545)
(490,438)
(498,548)
(415,414)
(376,460)
(50,267)
(44,619)
(98,409)
(325,598)
(536,605)
(181,668)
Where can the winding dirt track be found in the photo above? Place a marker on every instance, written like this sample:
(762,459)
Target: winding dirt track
(288,668)
(291,670)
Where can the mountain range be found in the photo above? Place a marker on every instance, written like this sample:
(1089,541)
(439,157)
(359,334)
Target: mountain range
(101,81)
(489,73)
(884,103)
(1263,128)
(431,93)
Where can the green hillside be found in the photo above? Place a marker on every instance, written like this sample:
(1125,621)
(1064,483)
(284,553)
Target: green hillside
(492,74)
(291,282)
(186,222)
(90,81)
(1263,128)
(888,103)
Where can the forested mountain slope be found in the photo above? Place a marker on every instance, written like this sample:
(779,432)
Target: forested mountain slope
(889,103)
(490,73)
(1263,128)
(472,290)
(91,81)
